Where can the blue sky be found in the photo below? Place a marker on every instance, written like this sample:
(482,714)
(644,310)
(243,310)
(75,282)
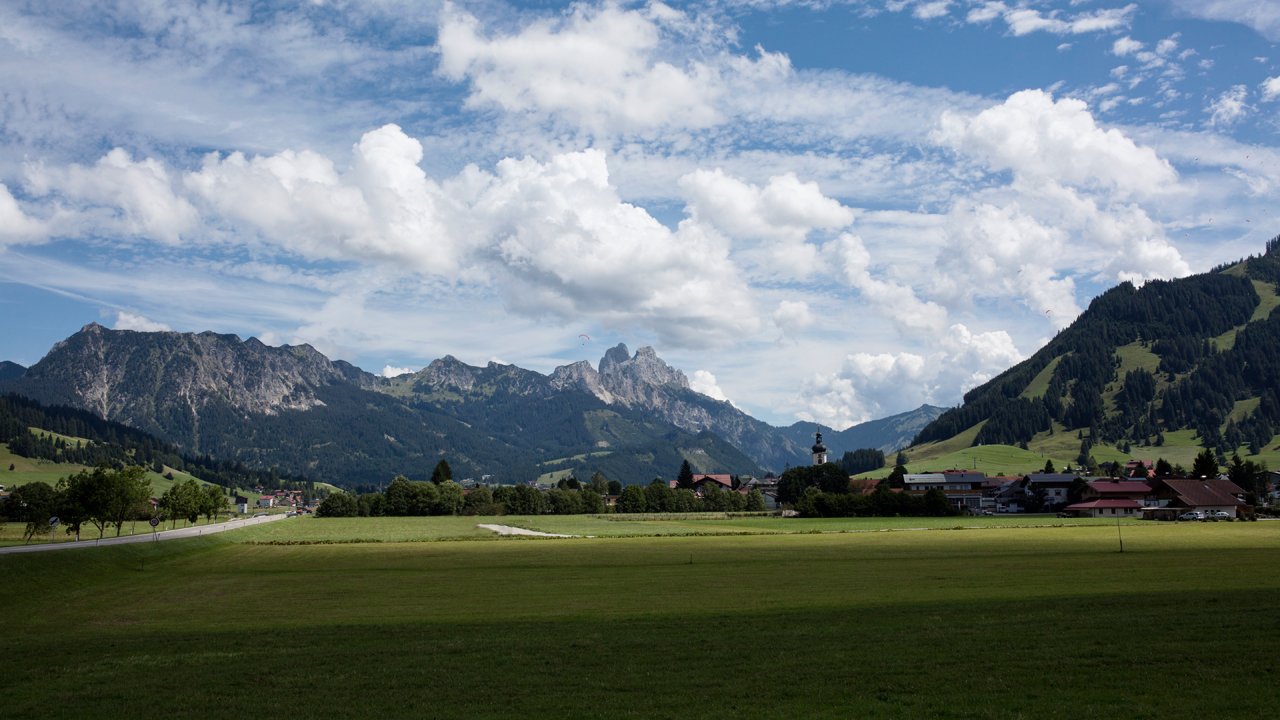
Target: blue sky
(820,210)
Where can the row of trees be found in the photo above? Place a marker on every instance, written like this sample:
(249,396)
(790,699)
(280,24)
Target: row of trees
(442,496)
(658,497)
(106,497)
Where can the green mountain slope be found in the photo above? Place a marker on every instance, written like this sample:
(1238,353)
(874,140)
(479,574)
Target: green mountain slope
(1192,358)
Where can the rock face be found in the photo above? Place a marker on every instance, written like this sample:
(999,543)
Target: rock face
(644,381)
(158,381)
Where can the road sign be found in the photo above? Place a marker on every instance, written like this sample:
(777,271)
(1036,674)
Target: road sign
(155,521)
(53,521)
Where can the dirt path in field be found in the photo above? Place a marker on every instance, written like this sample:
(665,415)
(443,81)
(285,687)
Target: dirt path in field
(509,530)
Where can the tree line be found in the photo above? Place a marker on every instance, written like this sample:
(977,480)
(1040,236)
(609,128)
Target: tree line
(442,496)
(103,498)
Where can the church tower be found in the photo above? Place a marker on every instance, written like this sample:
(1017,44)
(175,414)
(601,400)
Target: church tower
(819,451)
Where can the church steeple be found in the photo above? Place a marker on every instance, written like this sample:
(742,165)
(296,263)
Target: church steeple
(819,450)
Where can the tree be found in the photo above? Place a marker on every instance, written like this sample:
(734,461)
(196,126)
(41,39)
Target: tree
(684,480)
(1075,493)
(215,502)
(898,478)
(592,502)
(599,484)
(339,504)
(1036,500)
(1246,474)
(936,503)
(479,502)
(615,487)
(828,477)
(442,472)
(449,499)
(32,504)
(901,460)
(1205,465)
(755,500)
(130,491)
(1139,470)
(399,497)
(1163,468)
(632,500)
(183,500)
(1048,466)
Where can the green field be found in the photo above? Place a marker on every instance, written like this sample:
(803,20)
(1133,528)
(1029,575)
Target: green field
(998,622)
(426,529)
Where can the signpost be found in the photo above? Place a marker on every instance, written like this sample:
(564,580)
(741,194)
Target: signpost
(154,522)
(53,523)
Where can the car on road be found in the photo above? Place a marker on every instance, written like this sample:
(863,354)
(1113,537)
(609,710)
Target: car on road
(1192,515)
(1223,515)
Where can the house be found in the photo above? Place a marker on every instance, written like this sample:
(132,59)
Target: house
(1174,496)
(267,501)
(1117,489)
(964,489)
(1148,467)
(1055,486)
(242,504)
(702,480)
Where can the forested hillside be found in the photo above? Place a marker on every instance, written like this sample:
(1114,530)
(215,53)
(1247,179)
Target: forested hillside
(1198,353)
(97,441)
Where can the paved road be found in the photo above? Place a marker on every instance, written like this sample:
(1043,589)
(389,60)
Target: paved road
(162,535)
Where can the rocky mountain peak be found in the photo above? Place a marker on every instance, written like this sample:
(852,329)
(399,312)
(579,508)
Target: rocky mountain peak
(613,357)
(644,368)
(449,372)
(581,376)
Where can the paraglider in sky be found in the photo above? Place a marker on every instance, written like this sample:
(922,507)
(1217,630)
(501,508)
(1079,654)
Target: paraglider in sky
(584,338)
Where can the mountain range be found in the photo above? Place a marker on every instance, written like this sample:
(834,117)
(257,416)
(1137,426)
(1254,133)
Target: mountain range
(632,417)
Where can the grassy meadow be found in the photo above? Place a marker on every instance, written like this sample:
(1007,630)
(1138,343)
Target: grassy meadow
(991,622)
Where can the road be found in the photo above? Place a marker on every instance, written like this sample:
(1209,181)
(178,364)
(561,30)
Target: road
(161,535)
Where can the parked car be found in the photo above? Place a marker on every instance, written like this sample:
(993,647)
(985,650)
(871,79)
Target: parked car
(1223,515)
(1192,515)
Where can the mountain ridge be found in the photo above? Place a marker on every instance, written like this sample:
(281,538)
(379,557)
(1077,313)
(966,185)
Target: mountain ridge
(1194,353)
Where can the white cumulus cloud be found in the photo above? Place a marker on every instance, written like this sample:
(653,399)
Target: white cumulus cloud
(778,217)
(869,385)
(132,321)
(703,381)
(1035,136)
(602,66)
(15,225)
(131,198)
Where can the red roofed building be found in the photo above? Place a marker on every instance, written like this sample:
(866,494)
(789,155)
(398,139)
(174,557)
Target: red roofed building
(1211,495)
(723,480)
(1106,507)
(1115,488)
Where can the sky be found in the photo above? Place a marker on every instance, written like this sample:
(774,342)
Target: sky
(819,210)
